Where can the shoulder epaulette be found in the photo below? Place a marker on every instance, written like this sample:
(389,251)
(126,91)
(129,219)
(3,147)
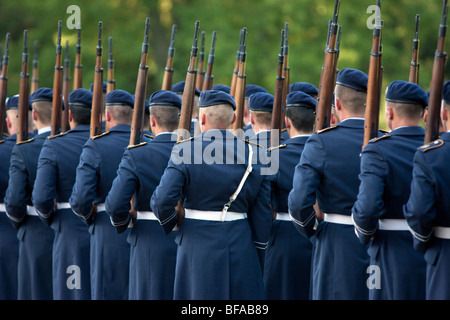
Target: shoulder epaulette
(188,139)
(1,141)
(148,135)
(57,135)
(253,143)
(277,147)
(379,138)
(100,135)
(26,141)
(284,129)
(136,145)
(326,129)
(434,144)
(384,131)
(6,134)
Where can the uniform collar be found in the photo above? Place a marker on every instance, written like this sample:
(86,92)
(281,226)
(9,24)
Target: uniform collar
(121,128)
(165,136)
(81,127)
(352,123)
(43,130)
(407,130)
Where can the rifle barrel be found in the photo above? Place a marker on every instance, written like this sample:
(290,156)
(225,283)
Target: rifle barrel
(22,132)
(97,94)
(4,85)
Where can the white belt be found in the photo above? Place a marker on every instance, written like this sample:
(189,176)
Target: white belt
(337,218)
(393,224)
(63,205)
(213,215)
(283,216)
(442,232)
(31,211)
(145,215)
(2,207)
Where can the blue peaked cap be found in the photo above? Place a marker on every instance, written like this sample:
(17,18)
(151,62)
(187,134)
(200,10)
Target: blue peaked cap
(165,98)
(261,101)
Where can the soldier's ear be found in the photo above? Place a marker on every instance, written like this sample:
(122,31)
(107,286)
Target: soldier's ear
(287,121)
(234,118)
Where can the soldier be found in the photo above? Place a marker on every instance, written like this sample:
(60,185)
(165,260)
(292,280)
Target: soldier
(288,258)
(178,88)
(386,174)
(221,87)
(261,106)
(9,244)
(216,241)
(305,87)
(427,210)
(328,170)
(99,161)
(55,177)
(249,90)
(153,254)
(35,238)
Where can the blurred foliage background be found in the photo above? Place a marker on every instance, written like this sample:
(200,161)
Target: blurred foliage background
(124,21)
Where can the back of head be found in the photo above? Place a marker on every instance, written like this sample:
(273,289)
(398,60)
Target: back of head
(218,107)
(261,107)
(300,109)
(446,95)
(80,105)
(120,103)
(408,99)
(165,107)
(351,90)
(41,102)
(12,110)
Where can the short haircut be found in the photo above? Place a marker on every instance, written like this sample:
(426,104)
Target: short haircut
(353,101)
(44,111)
(120,113)
(263,118)
(167,117)
(407,110)
(302,119)
(219,115)
(81,115)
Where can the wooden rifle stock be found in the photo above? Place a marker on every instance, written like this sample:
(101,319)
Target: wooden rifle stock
(4,86)
(22,130)
(78,68)
(57,87)
(168,71)
(199,82)
(236,68)
(286,74)
(97,94)
(437,82)
(66,91)
(35,74)
(278,96)
(414,68)
(372,112)
(111,84)
(328,76)
(208,81)
(137,123)
(189,92)
(239,96)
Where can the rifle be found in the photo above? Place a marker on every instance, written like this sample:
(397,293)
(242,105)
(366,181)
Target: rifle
(78,68)
(278,97)
(97,94)
(22,130)
(286,74)
(199,83)
(414,68)
(4,86)
(208,83)
(35,76)
(374,81)
(57,87)
(236,67)
(437,82)
(137,123)
(239,96)
(168,71)
(327,79)
(111,84)
(189,91)
(66,91)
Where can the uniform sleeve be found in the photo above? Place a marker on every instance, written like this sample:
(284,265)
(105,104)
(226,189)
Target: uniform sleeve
(123,187)
(15,199)
(85,186)
(44,190)
(260,219)
(367,208)
(167,194)
(307,176)
(420,209)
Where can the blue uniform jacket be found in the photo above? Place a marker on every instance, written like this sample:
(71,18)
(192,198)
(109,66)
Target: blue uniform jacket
(97,168)
(386,174)
(22,173)
(6,146)
(139,173)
